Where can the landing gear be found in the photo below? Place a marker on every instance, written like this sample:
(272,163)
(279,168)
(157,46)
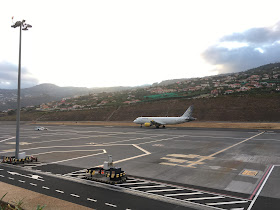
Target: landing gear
(163,126)
(141,125)
(157,126)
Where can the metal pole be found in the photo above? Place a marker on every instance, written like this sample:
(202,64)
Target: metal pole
(18,96)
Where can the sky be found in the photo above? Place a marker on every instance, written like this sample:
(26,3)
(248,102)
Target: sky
(109,43)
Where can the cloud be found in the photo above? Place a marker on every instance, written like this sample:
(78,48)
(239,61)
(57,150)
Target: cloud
(9,76)
(241,51)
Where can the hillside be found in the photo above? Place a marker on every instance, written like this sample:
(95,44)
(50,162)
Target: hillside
(225,108)
(45,93)
(251,95)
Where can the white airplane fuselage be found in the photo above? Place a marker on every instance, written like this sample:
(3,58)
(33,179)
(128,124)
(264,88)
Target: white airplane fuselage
(162,120)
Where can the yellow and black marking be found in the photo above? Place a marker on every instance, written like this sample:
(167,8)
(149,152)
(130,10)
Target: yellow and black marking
(13,160)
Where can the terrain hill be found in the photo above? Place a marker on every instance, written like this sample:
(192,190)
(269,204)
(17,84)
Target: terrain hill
(251,95)
(45,93)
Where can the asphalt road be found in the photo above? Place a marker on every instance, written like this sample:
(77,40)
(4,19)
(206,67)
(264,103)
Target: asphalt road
(237,168)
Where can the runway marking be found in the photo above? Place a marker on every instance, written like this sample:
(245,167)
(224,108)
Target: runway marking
(21,181)
(131,158)
(134,139)
(122,184)
(1,175)
(160,140)
(179,194)
(261,187)
(43,153)
(147,186)
(8,139)
(90,199)
(204,198)
(104,152)
(11,178)
(164,190)
(45,188)
(112,205)
(216,153)
(33,184)
(225,203)
(175,161)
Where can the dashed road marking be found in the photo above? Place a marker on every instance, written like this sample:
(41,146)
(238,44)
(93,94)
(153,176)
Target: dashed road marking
(90,199)
(59,191)
(2,175)
(74,195)
(112,205)
(21,181)
(45,188)
(33,184)
(11,178)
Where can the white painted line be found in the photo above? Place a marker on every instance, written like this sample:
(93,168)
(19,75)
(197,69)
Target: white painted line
(90,199)
(1,169)
(122,184)
(33,184)
(7,139)
(164,190)
(131,180)
(225,203)
(2,176)
(204,198)
(59,191)
(74,195)
(104,151)
(11,178)
(148,186)
(237,209)
(177,194)
(255,198)
(45,188)
(148,153)
(109,204)
(21,181)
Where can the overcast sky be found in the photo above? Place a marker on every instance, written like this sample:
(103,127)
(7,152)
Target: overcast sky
(127,43)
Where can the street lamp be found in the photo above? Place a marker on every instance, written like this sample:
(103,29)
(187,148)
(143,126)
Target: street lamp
(22,26)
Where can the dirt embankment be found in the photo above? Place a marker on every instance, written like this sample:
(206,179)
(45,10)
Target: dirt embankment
(234,109)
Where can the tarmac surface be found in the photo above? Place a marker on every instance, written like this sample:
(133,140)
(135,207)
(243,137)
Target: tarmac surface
(198,168)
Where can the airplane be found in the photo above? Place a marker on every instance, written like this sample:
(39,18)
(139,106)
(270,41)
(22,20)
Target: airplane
(162,121)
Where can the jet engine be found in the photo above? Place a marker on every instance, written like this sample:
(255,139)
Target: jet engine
(147,124)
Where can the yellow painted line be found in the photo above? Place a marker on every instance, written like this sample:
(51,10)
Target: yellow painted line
(170,164)
(184,156)
(249,173)
(204,158)
(174,160)
(8,150)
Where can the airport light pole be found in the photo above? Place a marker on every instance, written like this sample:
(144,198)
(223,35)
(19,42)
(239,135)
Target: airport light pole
(22,26)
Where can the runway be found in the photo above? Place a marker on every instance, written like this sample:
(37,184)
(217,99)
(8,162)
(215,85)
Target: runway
(216,164)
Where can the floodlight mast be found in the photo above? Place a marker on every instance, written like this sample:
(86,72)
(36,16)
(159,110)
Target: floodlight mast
(22,26)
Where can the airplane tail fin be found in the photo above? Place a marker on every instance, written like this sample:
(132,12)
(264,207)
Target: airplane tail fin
(188,113)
